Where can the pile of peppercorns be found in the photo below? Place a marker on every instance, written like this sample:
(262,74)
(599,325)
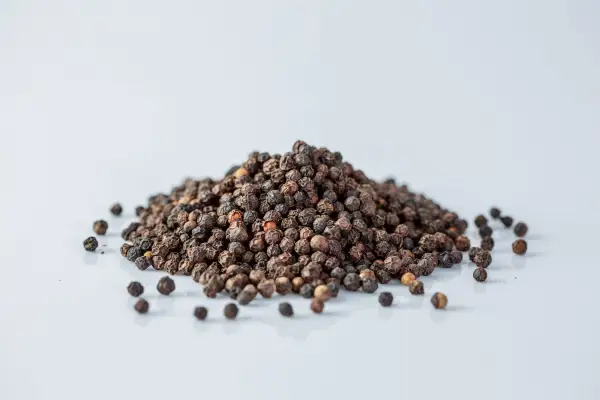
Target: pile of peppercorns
(305,222)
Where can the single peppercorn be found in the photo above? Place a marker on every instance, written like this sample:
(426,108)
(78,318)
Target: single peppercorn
(407,278)
(135,289)
(352,282)
(200,313)
(480,274)
(317,305)
(495,212)
(142,263)
(480,221)
(456,256)
(446,260)
(485,231)
(322,292)
(165,285)
(487,243)
(416,287)
(230,311)
(439,300)
(521,229)
(286,309)
(519,247)
(306,291)
(462,243)
(482,259)
(124,249)
(370,285)
(116,209)
(138,211)
(473,251)
(100,227)
(90,244)
(386,299)
(283,285)
(141,306)
(506,221)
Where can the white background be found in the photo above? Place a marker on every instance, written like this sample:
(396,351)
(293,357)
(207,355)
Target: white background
(474,103)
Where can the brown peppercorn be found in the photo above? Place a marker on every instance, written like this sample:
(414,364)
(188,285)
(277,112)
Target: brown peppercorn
(247,294)
(286,310)
(319,243)
(480,274)
(519,247)
(473,251)
(135,289)
(317,305)
(230,311)
(283,285)
(485,231)
(200,313)
(407,278)
(90,244)
(439,300)
(124,249)
(297,283)
(165,286)
(480,221)
(322,292)
(487,243)
(386,299)
(482,259)
(369,285)
(367,273)
(462,243)
(266,288)
(495,212)
(506,221)
(116,209)
(457,256)
(416,287)
(141,306)
(100,227)
(521,229)
(268,225)
(256,276)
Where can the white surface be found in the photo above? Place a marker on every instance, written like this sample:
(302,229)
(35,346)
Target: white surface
(103,101)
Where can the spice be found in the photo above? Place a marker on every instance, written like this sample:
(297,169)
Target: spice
(283,285)
(485,231)
(495,212)
(407,278)
(90,244)
(142,263)
(416,288)
(480,221)
(482,259)
(200,313)
(306,291)
(487,243)
(386,299)
(322,292)
(370,285)
(286,309)
(317,305)
(456,256)
(247,294)
(439,300)
(100,227)
(519,247)
(141,306)
(266,288)
(124,249)
(463,243)
(165,285)
(473,251)
(520,229)
(116,209)
(480,274)
(135,289)
(230,311)
(506,221)
(352,282)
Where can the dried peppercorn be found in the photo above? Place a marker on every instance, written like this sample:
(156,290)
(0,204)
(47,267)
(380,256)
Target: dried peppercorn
(485,231)
(100,227)
(230,311)
(116,209)
(407,278)
(495,212)
(322,292)
(463,243)
(456,256)
(446,260)
(487,243)
(506,221)
(90,244)
(521,229)
(247,294)
(139,210)
(142,263)
(482,259)
(439,300)
(317,305)
(133,253)
(519,247)
(334,288)
(165,286)
(480,221)
(386,299)
(135,289)
(352,282)
(124,249)
(286,310)
(141,306)
(200,313)
(369,285)
(416,288)
(306,291)
(283,285)
(480,274)
(473,251)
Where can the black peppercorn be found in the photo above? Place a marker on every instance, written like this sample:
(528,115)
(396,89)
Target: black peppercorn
(386,299)
(480,274)
(133,253)
(230,311)
(416,288)
(482,259)
(521,229)
(439,300)
(369,285)
(487,243)
(519,247)
(90,244)
(480,221)
(286,309)
(200,313)
(116,209)
(457,256)
(135,289)
(462,243)
(506,221)
(306,291)
(485,231)
(124,249)
(100,227)
(446,260)
(352,282)
(141,306)
(165,285)
(142,263)
(138,210)
(473,251)
(495,212)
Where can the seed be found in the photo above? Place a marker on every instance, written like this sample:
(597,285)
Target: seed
(487,243)
(286,309)
(133,253)
(352,282)
(135,289)
(482,259)
(90,244)
(485,231)
(445,260)
(266,288)
(247,294)
(439,300)
(142,263)
(283,285)
(480,221)
(370,285)
(319,243)
(506,221)
(521,229)
(138,210)
(462,243)
(230,311)
(366,273)
(519,247)
(141,306)
(317,305)
(116,209)
(100,227)
(124,249)
(407,278)
(165,285)
(495,212)
(200,313)
(334,287)
(306,291)
(322,292)
(473,251)
(297,283)
(480,274)
(386,299)
(416,287)
(456,256)
(256,276)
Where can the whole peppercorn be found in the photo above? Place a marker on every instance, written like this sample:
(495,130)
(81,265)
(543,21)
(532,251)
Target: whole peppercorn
(428,242)
(90,244)
(139,210)
(495,212)
(407,278)
(200,313)
(142,263)
(286,309)
(386,299)
(141,306)
(135,289)
(319,243)
(519,247)
(487,243)
(247,294)
(334,288)
(485,231)
(256,276)
(416,288)
(297,283)
(165,285)
(283,285)
(124,249)
(445,260)
(322,292)
(480,274)
(480,221)
(483,259)
(306,291)
(457,256)
(462,243)
(352,282)
(521,229)
(100,227)
(116,209)
(317,305)
(506,221)
(266,288)
(439,300)
(473,251)
(230,311)
(133,253)
(370,285)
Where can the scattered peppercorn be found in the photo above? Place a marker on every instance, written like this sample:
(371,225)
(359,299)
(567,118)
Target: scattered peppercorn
(135,289)
(141,306)
(480,274)
(521,229)
(370,285)
(100,227)
(485,231)
(456,256)
(286,309)
(116,209)
(463,243)
(386,299)
(506,221)
(322,292)
(487,243)
(200,313)
(306,291)
(482,259)
(439,300)
(473,251)
(519,247)
(230,311)
(124,249)
(416,288)
(407,278)
(165,285)
(90,244)
(480,221)
(317,305)
(495,212)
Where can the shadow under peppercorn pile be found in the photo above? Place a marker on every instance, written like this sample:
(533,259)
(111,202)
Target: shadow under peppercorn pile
(305,217)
